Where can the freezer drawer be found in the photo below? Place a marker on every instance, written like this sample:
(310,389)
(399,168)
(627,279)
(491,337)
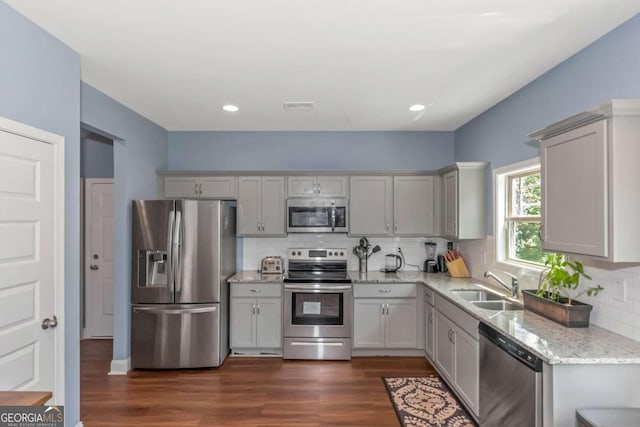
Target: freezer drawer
(176,336)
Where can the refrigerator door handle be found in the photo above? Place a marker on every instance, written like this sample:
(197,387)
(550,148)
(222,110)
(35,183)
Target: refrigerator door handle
(161,310)
(176,251)
(170,225)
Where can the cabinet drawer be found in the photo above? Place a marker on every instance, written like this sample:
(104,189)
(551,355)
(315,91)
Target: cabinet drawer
(429,296)
(256,290)
(389,290)
(467,322)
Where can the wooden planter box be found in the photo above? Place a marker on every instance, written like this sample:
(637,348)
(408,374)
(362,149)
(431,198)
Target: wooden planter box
(575,315)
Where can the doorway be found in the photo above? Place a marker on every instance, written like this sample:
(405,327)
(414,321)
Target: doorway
(98,213)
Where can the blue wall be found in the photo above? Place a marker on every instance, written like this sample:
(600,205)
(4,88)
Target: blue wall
(607,69)
(309,150)
(140,148)
(96,156)
(40,86)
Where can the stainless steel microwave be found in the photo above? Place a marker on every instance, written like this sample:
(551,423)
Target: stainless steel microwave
(317,215)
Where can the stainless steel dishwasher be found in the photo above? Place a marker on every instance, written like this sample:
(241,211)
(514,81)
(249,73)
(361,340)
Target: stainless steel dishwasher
(510,382)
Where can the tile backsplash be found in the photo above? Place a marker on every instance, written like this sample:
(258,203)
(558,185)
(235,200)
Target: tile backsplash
(617,308)
(254,249)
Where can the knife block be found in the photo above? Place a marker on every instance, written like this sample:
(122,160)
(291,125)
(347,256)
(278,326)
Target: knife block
(458,268)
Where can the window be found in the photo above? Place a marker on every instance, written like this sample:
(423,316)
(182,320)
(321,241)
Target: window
(517,214)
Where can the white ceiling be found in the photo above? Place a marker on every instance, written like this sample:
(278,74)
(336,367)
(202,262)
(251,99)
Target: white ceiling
(362,62)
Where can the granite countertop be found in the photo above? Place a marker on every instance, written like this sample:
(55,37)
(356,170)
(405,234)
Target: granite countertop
(255,276)
(554,343)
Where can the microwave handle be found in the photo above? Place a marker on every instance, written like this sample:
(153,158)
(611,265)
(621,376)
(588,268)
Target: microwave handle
(333,216)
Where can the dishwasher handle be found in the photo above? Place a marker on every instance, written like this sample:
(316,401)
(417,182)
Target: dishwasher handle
(517,351)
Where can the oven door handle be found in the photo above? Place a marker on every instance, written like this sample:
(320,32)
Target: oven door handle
(298,288)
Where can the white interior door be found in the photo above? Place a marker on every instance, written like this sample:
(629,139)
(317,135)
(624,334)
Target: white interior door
(99,257)
(31,260)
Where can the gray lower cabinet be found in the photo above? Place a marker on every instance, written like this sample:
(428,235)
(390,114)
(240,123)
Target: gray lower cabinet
(255,322)
(385,316)
(457,351)
(261,206)
(430,332)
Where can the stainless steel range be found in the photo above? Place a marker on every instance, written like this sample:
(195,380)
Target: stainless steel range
(317,305)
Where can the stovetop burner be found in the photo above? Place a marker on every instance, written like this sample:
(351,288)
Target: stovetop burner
(317,266)
(317,277)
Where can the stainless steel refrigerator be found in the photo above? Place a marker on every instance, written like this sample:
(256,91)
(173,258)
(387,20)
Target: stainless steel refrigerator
(183,253)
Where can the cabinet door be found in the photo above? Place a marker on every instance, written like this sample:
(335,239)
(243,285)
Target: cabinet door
(574,191)
(368,323)
(429,342)
(269,323)
(243,323)
(301,186)
(450,204)
(370,206)
(467,371)
(444,346)
(414,205)
(401,323)
(273,206)
(333,186)
(219,187)
(249,206)
(177,187)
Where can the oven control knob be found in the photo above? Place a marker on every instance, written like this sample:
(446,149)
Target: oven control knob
(299,253)
(330,253)
(277,268)
(293,253)
(341,253)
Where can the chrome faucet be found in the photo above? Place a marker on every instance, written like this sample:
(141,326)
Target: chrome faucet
(515,284)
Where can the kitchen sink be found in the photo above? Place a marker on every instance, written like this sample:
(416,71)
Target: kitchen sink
(476,295)
(498,305)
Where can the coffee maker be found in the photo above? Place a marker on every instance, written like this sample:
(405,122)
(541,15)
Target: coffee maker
(431,263)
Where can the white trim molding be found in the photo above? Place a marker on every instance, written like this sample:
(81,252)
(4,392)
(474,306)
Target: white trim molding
(120,366)
(80,424)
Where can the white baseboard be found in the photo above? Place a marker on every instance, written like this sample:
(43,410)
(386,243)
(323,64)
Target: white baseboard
(120,366)
(80,424)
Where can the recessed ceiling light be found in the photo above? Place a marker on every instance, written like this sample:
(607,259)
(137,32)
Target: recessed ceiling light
(416,107)
(230,108)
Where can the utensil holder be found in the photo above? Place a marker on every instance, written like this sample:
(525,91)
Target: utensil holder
(458,268)
(362,265)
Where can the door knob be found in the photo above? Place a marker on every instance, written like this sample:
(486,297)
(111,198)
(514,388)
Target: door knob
(48,323)
(94,267)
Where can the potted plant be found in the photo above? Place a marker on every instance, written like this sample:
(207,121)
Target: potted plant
(558,288)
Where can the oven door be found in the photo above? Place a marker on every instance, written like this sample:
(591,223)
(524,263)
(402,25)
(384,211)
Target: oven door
(317,310)
(317,216)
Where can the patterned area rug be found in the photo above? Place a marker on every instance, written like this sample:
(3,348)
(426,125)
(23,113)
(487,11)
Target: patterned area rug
(425,402)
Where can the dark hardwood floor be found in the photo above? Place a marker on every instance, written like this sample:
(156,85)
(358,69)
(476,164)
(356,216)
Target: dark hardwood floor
(243,392)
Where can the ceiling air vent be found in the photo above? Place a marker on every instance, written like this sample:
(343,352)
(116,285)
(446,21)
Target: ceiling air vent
(298,105)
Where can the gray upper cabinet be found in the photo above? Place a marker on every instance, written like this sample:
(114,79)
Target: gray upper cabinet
(400,205)
(415,207)
(261,206)
(371,206)
(464,200)
(208,187)
(590,175)
(318,186)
